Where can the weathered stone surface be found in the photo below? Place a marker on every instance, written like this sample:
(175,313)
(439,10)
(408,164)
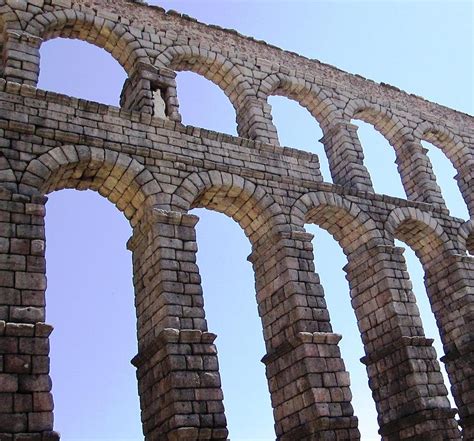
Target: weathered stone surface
(155,170)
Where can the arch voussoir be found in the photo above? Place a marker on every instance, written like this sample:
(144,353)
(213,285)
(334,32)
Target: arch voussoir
(116,176)
(350,226)
(248,204)
(420,231)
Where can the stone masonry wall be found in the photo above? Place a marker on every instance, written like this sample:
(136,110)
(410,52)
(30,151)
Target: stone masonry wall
(155,170)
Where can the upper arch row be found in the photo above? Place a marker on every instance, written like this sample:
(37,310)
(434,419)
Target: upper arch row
(151,56)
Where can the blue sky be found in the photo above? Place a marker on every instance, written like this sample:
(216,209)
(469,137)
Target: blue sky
(422,47)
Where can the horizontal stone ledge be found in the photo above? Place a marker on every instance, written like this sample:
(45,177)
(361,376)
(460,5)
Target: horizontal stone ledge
(172,336)
(342,127)
(321,338)
(327,338)
(159,216)
(24,36)
(13,329)
(155,217)
(403,342)
(141,68)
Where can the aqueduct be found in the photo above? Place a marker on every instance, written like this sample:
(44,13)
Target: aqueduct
(154,169)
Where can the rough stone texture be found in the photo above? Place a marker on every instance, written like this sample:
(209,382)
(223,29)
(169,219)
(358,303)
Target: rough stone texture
(155,170)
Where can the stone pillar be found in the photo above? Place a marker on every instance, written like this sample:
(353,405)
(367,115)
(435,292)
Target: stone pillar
(449,282)
(309,385)
(153,91)
(346,157)
(404,374)
(25,386)
(21,57)
(254,121)
(465,180)
(177,367)
(417,175)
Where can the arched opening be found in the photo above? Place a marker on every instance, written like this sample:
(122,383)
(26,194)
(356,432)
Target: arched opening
(90,304)
(74,67)
(380,160)
(329,261)
(445,176)
(342,231)
(433,258)
(231,312)
(256,213)
(415,269)
(203,104)
(297,128)
(121,180)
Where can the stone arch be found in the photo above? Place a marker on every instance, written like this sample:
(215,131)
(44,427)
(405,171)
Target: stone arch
(449,143)
(420,231)
(466,236)
(349,225)
(212,66)
(427,238)
(342,151)
(380,117)
(460,155)
(312,97)
(413,164)
(447,277)
(248,204)
(116,176)
(103,33)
